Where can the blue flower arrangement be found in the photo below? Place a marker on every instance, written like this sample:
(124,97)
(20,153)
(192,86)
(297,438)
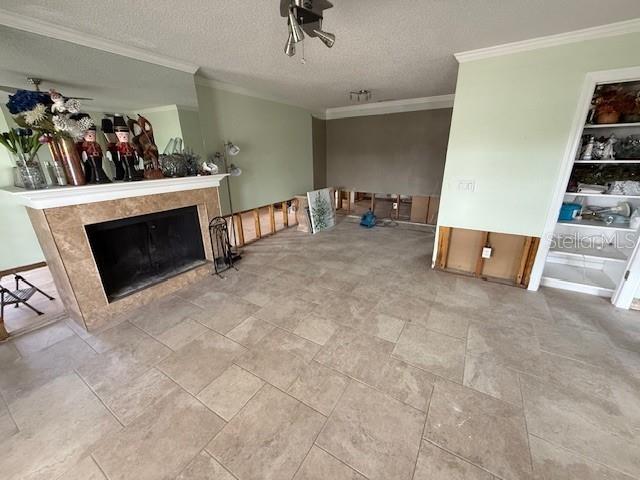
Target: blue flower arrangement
(25,100)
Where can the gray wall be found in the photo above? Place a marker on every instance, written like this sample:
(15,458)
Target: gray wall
(395,153)
(319,128)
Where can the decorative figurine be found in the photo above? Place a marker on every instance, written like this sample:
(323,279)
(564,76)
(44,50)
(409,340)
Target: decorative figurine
(112,148)
(608,153)
(126,151)
(92,156)
(587,151)
(146,147)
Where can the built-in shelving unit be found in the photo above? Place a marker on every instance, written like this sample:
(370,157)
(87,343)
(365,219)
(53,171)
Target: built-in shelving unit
(588,255)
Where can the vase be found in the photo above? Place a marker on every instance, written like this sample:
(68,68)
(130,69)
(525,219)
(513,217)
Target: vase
(64,152)
(28,172)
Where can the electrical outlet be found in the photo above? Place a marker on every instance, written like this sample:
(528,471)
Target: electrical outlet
(486,252)
(395,205)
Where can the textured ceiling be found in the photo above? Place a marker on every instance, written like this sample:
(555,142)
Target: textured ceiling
(115,83)
(398,48)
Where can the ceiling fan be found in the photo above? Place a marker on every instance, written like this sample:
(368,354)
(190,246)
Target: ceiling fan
(36,83)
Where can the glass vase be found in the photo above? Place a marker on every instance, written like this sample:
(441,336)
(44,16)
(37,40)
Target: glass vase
(28,173)
(64,153)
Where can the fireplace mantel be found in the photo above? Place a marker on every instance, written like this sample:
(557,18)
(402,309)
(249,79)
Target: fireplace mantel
(66,196)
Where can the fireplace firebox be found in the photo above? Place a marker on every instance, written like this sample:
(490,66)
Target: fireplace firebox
(136,252)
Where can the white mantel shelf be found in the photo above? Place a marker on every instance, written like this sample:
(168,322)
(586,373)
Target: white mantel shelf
(65,196)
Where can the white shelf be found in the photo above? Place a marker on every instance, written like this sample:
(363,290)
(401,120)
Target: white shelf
(611,125)
(578,279)
(601,195)
(621,161)
(606,253)
(593,224)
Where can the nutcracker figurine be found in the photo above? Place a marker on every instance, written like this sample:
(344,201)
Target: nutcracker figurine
(127,153)
(112,148)
(92,156)
(146,147)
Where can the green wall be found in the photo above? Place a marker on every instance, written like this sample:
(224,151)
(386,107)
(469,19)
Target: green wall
(18,242)
(275,140)
(511,124)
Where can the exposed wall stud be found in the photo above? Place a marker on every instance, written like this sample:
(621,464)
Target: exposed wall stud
(285,214)
(272,218)
(443,247)
(256,220)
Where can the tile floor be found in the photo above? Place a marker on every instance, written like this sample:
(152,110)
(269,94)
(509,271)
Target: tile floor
(310,363)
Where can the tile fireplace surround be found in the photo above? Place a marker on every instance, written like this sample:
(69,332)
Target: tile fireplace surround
(59,217)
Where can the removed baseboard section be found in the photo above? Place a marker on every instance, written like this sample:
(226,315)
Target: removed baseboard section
(602,31)
(393,106)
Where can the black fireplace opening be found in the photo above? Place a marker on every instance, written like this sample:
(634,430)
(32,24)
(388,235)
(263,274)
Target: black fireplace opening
(136,252)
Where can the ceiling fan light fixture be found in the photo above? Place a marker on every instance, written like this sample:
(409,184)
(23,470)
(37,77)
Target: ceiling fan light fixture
(295,29)
(327,38)
(290,46)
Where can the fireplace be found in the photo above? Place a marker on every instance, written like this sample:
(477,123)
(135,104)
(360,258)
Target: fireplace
(137,252)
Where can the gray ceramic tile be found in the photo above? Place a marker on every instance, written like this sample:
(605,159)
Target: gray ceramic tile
(160,443)
(86,469)
(586,424)
(483,430)
(432,351)
(286,312)
(129,400)
(319,465)
(436,464)
(506,342)
(199,362)
(319,387)
(158,317)
(42,338)
(250,332)
(410,309)
(26,374)
(356,354)
(269,438)
(449,320)
(316,328)
(181,333)
(204,467)
(228,393)
(375,434)
(551,462)
(483,373)
(59,422)
(408,384)
(223,312)
(279,358)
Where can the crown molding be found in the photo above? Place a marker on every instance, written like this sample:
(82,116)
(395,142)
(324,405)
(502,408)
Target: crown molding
(39,27)
(228,87)
(603,31)
(392,106)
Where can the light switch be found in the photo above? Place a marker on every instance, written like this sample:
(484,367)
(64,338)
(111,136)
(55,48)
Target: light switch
(486,252)
(467,186)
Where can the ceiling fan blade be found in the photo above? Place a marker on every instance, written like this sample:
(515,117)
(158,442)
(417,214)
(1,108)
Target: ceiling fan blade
(7,89)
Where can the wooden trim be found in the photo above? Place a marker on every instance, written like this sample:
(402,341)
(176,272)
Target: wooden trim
(285,215)
(444,240)
(22,268)
(480,260)
(272,219)
(531,258)
(523,260)
(256,220)
(239,230)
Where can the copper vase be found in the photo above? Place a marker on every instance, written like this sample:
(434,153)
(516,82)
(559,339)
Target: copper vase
(64,152)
